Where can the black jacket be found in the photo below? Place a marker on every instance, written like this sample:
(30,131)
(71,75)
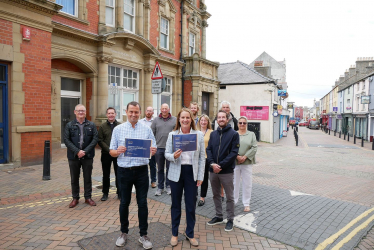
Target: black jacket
(223,148)
(105,135)
(71,139)
(235,121)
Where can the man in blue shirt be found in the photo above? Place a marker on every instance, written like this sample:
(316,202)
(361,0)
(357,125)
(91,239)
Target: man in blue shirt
(132,171)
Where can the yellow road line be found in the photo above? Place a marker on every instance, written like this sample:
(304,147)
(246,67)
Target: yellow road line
(333,237)
(353,233)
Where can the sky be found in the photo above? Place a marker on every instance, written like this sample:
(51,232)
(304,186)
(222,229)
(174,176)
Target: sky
(320,39)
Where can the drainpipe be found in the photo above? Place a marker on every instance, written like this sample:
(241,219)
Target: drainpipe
(181,52)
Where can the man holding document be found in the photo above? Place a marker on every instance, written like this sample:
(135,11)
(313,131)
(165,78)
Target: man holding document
(134,144)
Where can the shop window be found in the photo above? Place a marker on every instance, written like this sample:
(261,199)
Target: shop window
(129,15)
(166,96)
(191,44)
(164,36)
(110,12)
(123,88)
(69,6)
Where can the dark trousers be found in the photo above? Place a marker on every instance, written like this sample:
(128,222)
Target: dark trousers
(152,168)
(205,184)
(106,163)
(75,171)
(139,178)
(160,159)
(186,182)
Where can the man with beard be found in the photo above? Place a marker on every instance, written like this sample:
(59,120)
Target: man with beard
(147,120)
(226,106)
(222,150)
(194,107)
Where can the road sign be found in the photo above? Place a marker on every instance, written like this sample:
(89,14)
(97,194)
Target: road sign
(157,86)
(157,74)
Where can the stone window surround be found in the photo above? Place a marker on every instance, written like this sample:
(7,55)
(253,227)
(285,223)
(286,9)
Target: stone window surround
(195,40)
(170,16)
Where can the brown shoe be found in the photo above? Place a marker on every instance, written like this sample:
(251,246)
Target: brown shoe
(73,203)
(173,241)
(90,202)
(154,184)
(193,241)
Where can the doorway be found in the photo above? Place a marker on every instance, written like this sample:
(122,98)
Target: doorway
(70,97)
(205,104)
(4,143)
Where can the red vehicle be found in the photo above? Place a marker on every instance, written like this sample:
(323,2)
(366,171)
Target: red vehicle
(307,123)
(302,123)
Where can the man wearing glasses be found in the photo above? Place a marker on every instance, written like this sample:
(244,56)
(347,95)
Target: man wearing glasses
(80,138)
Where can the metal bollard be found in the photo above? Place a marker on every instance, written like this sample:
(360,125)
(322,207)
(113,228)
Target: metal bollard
(362,142)
(348,137)
(329,131)
(372,146)
(344,136)
(354,139)
(297,140)
(340,134)
(47,161)
(335,132)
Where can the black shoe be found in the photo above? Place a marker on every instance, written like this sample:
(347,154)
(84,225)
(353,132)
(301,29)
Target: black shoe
(201,203)
(229,226)
(105,197)
(223,198)
(215,221)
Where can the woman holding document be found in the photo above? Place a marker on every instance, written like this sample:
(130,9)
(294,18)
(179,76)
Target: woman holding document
(186,171)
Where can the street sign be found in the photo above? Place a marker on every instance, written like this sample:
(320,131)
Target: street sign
(157,86)
(157,74)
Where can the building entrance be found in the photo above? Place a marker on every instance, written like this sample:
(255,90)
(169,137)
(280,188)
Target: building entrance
(4,156)
(205,104)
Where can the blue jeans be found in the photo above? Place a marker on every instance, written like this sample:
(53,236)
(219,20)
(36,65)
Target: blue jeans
(161,162)
(153,168)
(139,178)
(187,184)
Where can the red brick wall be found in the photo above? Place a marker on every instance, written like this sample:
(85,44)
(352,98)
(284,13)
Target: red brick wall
(37,89)
(65,65)
(92,18)
(32,147)
(154,33)
(88,97)
(187,93)
(6,30)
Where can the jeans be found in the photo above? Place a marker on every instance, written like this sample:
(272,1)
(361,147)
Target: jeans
(139,178)
(227,181)
(153,168)
(160,159)
(75,171)
(187,184)
(106,163)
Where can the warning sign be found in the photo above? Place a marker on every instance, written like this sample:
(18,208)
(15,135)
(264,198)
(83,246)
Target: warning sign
(157,74)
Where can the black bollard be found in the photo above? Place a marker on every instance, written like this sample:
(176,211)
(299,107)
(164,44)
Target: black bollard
(329,131)
(340,134)
(297,140)
(372,146)
(362,142)
(354,139)
(348,137)
(344,136)
(47,161)
(335,132)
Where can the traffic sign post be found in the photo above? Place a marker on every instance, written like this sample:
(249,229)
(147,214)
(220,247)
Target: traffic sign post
(156,86)
(157,79)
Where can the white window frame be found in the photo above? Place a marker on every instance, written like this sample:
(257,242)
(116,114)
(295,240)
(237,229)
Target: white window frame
(114,13)
(168,92)
(131,15)
(121,89)
(75,9)
(166,32)
(191,44)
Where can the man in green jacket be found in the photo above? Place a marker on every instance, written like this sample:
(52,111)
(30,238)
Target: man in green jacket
(105,135)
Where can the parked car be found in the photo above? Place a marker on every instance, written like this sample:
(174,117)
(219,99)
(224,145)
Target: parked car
(292,122)
(313,124)
(302,123)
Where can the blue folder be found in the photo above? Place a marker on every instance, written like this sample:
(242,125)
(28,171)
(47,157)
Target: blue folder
(138,148)
(185,142)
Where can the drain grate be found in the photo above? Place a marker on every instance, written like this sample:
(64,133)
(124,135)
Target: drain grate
(158,232)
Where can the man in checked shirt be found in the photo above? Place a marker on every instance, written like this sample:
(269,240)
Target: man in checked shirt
(132,171)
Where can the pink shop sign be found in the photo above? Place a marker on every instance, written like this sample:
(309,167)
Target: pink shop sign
(255,112)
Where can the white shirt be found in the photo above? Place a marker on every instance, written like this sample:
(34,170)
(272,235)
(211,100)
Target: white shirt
(186,157)
(146,122)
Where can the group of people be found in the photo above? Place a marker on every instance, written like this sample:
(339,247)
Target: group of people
(224,156)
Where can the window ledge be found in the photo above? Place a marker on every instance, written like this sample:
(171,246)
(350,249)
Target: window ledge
(166,50)
(62,14)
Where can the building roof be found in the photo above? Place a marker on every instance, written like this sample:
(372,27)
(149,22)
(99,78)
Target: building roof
(240,73)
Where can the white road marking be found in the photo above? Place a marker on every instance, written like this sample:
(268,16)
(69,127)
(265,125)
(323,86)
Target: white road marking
(295,193)
(246,221)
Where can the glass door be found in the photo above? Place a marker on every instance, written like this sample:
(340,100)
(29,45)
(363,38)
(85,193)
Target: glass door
(3,114)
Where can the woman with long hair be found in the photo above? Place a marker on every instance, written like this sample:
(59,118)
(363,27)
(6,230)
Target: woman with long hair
(186,173)
(244,161)
(206,128)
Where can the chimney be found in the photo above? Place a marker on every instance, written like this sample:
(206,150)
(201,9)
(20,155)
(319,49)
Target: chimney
(352,70)
(346,75)
(341,79)
(362,63)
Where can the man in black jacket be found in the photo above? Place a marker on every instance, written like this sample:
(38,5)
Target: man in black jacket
(105,135)
(222,150)
(226,106)
(80,137)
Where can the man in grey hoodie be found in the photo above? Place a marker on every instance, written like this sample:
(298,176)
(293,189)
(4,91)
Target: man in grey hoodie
(161,127)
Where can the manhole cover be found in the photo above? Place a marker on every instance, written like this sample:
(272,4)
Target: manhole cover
(263,175)
(158,232)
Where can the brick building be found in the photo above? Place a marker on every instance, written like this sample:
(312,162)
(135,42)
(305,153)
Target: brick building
(58,53)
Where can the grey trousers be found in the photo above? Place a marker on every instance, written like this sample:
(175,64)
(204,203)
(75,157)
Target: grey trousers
(227,181)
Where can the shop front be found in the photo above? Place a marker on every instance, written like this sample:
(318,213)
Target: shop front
(361,126)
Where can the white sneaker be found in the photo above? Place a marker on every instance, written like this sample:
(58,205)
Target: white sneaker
(159,192)
(168,190)
(147,244)
(121,241)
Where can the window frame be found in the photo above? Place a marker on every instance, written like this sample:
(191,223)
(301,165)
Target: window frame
(114,14)
(162,33)
(133,16)
(75,8)
(121,112)
(189,43)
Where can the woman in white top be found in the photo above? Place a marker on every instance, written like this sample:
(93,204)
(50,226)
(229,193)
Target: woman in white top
(186,173)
